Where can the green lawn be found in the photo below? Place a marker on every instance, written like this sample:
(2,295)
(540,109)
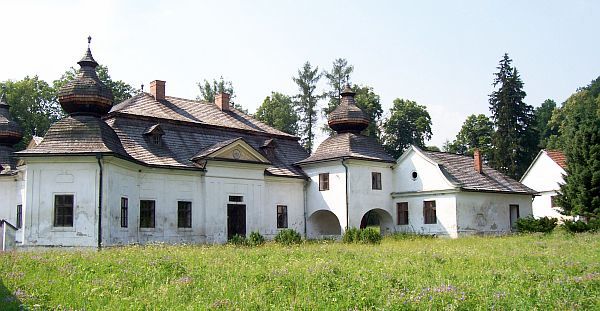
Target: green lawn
(557,271)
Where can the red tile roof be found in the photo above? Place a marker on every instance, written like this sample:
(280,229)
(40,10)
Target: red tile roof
(558,157)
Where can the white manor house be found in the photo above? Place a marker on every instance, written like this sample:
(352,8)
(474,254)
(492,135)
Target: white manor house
(157,168)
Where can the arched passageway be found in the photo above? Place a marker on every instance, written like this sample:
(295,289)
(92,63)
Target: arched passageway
(323,224)
(378,218)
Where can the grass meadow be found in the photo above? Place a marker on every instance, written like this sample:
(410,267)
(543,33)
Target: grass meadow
(520,272)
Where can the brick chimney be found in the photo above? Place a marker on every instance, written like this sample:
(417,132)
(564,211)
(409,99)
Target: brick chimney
(477,160)
(157,89)
(222,101)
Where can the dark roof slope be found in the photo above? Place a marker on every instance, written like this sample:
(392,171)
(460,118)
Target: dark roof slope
(78,134)
(558,157)
(460,170)
(179,109)
(183,141)
(8,163)
(349,145)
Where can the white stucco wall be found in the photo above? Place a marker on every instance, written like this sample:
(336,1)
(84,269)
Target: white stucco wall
(488,213)
(445,212)
(282,191)
(429,175)
(545,177)
(61,175)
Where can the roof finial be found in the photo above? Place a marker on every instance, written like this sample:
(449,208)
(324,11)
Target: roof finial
(89,41)
(142,87)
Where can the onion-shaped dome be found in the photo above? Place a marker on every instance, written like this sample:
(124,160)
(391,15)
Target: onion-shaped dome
(86,94)
(347,117)
(10,131)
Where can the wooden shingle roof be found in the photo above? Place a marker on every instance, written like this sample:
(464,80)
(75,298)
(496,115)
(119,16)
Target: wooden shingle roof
(351,146)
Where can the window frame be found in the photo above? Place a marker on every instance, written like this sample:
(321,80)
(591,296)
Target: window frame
(323,181)
(124,212)
(376,181)
(282,216)
(19,216)
(152,213)
(184,214)
(429,207)
(64,223)
(402,209)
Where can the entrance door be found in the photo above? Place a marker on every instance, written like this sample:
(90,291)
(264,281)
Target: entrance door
(514,215)
(236,220)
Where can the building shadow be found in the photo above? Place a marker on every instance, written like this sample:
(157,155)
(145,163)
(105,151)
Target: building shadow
(8,300)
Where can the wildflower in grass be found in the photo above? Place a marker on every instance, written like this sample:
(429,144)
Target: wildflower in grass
(500,295)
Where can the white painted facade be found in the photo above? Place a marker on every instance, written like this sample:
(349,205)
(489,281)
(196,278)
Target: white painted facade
(545,176)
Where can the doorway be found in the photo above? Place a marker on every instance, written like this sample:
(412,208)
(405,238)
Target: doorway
(514,215)
(236,220)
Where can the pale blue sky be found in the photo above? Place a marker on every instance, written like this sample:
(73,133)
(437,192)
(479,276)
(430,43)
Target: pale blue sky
(441,54)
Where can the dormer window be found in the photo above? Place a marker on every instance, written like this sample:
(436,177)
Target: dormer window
(268,148)
(155,134)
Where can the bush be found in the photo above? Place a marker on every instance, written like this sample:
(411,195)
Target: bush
(288,237)
(530,224)
(255,239)
(351,235)
(581,226)
(238,240)
(367,236)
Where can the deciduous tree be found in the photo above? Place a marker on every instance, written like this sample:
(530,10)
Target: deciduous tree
(277,111)
(209,89)
(476,132)
(409,123)
(543,115)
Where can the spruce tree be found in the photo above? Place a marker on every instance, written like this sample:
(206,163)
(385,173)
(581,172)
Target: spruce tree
(580,138)
(337,78)
(515,140)
(306,103)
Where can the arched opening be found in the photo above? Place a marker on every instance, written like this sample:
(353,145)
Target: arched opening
(323,224)
(378,218)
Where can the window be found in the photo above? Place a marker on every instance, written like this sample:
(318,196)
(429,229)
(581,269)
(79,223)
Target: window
(323,181)
(147,213)
(63,210)
(184,214)
(429,216)
(376,180)
(236,198)
(156,139)
(402,210)
(19,216)
(282,216)
(124,212)
(554,201)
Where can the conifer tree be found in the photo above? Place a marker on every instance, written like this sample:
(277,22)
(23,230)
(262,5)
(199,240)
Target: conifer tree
(306,103)
(515,140)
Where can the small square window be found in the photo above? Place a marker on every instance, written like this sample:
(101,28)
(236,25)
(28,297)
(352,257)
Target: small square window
(282,218)
(63,210)
(429,213)
(147,208)
(323,181)
(124,212)
(184,214)
(376,181)
(402,210)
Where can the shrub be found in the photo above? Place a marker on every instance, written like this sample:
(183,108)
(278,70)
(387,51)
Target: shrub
(367,236)
(530,224)
(410,236)
(255,239)
(238,240)
(288,237)
(581,226)
(352,235)
(370,236)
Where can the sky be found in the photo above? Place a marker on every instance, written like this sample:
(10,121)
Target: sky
(441,54)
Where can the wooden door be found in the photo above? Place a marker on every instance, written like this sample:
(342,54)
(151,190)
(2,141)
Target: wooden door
(236,220)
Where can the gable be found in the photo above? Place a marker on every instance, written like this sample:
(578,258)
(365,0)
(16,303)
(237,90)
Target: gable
(429,176)
(544,174)
(233,150)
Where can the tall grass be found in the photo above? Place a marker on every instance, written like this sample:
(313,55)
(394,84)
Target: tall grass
(556,271)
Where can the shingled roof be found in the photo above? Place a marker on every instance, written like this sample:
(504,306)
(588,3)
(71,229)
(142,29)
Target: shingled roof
(558,157)
(459,169)
(351,146)
(8,163)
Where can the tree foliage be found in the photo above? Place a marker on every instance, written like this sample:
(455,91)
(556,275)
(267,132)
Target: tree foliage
(543,116)
(409,123)
(121,90)
(370,104)
(515,140)
(33,105)
(209,89)
(579,132)
(306,103)
(277,111)
(476,132)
